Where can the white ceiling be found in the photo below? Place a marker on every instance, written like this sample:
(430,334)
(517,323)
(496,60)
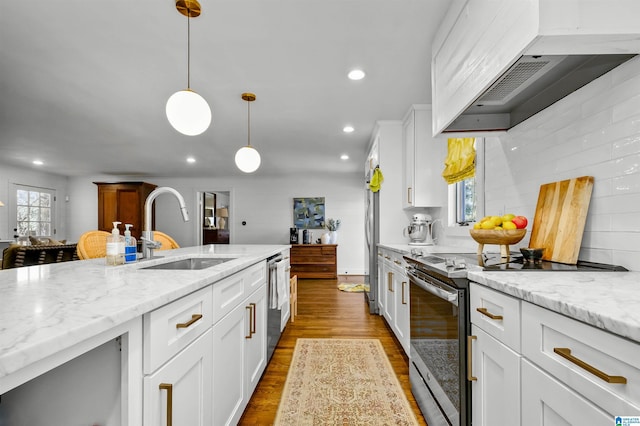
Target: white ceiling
(84,84)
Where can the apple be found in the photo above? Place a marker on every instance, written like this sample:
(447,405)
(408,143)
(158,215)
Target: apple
(520,222)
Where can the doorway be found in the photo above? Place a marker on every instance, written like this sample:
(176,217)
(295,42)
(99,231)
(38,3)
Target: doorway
(215,217)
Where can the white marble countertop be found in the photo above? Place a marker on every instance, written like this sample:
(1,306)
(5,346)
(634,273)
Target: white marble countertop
(607,300)
(49,308)
(406,248)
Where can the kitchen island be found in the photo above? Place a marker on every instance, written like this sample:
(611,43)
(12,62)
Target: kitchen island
(51,314)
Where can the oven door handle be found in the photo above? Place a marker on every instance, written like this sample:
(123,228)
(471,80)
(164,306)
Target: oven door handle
(451,297)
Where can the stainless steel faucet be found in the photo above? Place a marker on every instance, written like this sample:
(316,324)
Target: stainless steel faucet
(148,244)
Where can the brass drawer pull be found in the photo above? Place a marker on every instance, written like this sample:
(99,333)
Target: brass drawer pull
(470,377)
(397,262)
(566,354)
(390,281)
(169,388)
(387,257)
(484,312)
(404,283)
(194,318)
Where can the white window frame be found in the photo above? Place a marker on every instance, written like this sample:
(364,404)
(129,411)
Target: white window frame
(14,206)
(452,224)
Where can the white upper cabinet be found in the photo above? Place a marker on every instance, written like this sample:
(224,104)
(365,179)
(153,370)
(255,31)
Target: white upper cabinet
(481,42)
(423,158)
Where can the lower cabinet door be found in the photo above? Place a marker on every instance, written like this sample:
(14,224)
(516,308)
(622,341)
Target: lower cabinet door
(229,395)
(495,394)
(401,325)
(256,344)
(181,388)
(547,402)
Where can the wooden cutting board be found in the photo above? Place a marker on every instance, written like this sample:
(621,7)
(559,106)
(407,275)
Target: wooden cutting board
(561,213)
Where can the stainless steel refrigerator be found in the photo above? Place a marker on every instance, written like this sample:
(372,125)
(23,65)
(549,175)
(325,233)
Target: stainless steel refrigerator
(372,237)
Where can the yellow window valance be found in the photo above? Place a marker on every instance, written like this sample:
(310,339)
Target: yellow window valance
(461,160)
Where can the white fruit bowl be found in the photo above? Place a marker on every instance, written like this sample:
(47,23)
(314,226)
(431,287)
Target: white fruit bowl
(501,237)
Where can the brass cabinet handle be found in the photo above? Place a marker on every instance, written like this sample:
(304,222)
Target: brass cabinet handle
(486,313)
(470,376)
(387,257)
(409,195)
(250,310)
(397,262)
(566,354)
(404,283)
(194,318)
(169,388)
(253,309)
(390,281)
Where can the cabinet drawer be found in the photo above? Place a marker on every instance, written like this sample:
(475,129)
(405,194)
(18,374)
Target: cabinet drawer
(229,292)
(547,332)
(169,329)
(547,402)
(497,314)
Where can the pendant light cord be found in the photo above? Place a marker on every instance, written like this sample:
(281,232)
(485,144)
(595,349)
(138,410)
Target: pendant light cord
(188,48)
(248,123)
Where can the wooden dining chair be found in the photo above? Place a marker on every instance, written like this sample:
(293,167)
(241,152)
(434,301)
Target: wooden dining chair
(92,245)
(168,243)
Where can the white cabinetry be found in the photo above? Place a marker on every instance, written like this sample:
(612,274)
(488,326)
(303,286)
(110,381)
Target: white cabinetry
(177,361)
(239,341)
(394,286)
(595,372)
(495,392)
(479,40)
(536,367)
(423,160)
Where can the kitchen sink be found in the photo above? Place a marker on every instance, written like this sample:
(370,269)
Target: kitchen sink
(192,263)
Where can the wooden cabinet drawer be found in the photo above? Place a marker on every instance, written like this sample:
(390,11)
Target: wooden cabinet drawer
(169,329)
(545,333)
(314,261)
(496,313)
(229,292)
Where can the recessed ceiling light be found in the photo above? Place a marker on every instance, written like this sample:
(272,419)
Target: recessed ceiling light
(348,129)
(38,162)
(344,157)
(191,160)
(356,74)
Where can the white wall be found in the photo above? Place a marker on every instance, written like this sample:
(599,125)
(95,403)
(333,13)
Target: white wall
(594,131)
(10,175)
(264,203)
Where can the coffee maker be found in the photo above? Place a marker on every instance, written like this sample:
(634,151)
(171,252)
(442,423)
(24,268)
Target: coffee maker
(293,235)
(420,230)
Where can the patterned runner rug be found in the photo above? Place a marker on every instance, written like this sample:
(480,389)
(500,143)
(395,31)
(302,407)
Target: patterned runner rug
(342,382)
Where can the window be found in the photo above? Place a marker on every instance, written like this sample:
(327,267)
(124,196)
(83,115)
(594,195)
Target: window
(466,198)
(34,211)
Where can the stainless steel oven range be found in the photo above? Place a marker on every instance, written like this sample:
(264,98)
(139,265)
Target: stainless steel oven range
(439,325)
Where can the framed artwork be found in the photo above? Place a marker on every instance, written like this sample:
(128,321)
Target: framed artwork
(308,213)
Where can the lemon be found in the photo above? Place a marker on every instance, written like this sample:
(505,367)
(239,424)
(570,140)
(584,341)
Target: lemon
(497,220)
(508,217)
(477,225)
(509,225)
(487,224)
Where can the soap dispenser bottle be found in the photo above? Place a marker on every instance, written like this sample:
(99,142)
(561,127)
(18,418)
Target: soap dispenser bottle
(115,246)
(130,245)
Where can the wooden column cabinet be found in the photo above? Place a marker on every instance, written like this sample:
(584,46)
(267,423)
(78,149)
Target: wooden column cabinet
(314,261)
(123,202)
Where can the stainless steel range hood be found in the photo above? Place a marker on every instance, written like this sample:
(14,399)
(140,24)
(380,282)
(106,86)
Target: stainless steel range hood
(530,85)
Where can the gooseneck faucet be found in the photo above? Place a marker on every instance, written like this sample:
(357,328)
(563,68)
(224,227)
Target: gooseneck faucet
(148,244)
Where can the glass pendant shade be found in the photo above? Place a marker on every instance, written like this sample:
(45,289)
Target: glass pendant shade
(188,112)
(248,159)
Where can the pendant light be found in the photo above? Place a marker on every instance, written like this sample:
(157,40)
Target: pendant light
(187,111)
(247,157)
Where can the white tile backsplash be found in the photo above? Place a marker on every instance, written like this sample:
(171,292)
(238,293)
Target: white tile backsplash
(595,132)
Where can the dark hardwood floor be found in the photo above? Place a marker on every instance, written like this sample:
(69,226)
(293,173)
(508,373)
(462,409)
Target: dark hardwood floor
(323,312)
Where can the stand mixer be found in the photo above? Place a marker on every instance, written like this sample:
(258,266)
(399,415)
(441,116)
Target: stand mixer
(420,230)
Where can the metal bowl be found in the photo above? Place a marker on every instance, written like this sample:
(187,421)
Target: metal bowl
(531,254)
